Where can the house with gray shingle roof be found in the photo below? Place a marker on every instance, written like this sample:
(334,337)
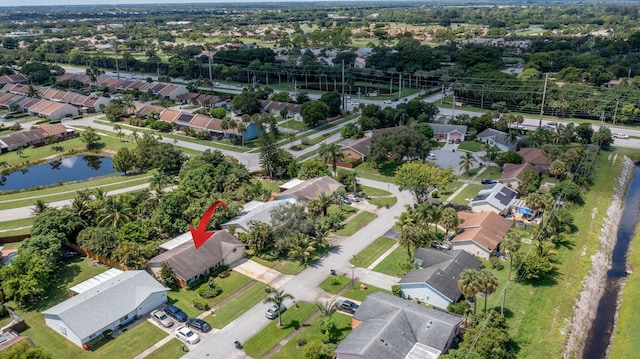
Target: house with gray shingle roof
(389,327)
(496,138)
(256,211)
(496,198)
(436,281)
(107,306)
(356,150)
(444,132)
(312,188)
(190,264)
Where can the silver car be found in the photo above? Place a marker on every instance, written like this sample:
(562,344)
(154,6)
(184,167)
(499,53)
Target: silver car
(161,318)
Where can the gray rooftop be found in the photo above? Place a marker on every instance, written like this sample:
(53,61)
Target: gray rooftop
(391,326)
(497,195)
(105,303)
(439,128)
(257,211)
(312,188)
(496,136)
(441,269)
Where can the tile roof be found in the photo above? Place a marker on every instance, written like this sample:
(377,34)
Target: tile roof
(312,188)
(485,229)
(533,156)
(513,171)
(54,129)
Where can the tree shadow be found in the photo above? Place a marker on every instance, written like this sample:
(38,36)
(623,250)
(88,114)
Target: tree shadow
(57,291)
(387,168)
(292,324)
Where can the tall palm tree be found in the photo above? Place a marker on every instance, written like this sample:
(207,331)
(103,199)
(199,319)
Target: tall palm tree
(39,207)
(450,220)
(467,162)
(114,214)
(242,128)
(158,182)
(301,248)
(79,207)
(331,153)
(277,298)
(99,194)
(327,309)
(325,201)
(469,285)
(488,284)
(511,245)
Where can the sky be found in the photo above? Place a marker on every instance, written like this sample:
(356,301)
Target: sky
(114,2)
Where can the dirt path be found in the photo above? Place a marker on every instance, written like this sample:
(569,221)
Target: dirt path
(594,283)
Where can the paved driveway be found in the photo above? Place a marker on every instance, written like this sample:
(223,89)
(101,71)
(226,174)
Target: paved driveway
(450,156)
(263,274)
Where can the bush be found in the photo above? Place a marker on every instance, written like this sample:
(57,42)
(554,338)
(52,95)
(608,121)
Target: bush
(496,263)
(224,274)
(396,290)
(209,290)
(462,307)
(334,281)
(301,342)
(200,304)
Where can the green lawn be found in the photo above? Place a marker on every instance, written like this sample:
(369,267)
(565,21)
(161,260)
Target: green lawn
(372,252)
(492,172)
(170,350)
(333,284)
(272,186)
(344,208)
(391,264)
(383,201)
(291,267)
(131,343)
(260,344)
(16,222)
(184,298)
(465,196)
(293,124)
(232,309)
(471,146)
(358,294)
(356,223)
(265,262)
(371,191)
(312,333)
(383,172)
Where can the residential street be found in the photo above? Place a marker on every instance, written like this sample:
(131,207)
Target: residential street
(304,286)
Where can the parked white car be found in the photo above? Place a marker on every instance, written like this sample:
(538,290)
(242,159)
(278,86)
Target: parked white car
(187,335)
(621,136)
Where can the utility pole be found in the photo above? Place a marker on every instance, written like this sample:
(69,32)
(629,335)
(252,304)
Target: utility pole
(115,53)
(344,107)
(615,113)
(482,99)
(602,118)
(442,98)
(544,95)
(210,73)
(400,86)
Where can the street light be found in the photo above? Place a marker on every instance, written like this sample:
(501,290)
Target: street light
(353,270)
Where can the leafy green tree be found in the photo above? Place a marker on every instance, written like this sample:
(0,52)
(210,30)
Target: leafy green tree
(246,102)
(27,278)
(167,158)
(56,222)
(314,113)
(424,129)
(168,276)
(351,130)
(134,232)
(99,240)
(281,97)
(218,112)
(567,190)
(421,178)
(124,160)
(332,332)
(333,100)
(278,297)
(313,168)
(91,138)
(22,350)
(602,137)
(115,110)
(317,350)
(530,182)
(259,238)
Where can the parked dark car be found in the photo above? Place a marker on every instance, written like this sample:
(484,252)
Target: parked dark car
(176,313)
(487,181)
(199,325)
(347,306)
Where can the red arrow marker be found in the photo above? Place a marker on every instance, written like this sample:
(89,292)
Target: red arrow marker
(201,235)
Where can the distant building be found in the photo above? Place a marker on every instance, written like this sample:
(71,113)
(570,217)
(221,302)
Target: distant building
(496,138)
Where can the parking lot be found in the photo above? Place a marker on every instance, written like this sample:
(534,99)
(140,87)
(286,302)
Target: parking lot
(450,156)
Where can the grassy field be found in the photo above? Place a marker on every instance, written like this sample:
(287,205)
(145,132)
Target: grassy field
(232,309)
(170,350)
(383,173)
(293,124)
(184,298)
(372,252)
(311,333)
(624,342)
(334,283)
(391,264)
(7,225)
(370,191)
(467,194)
(539,320)
(471,146)
(260,344)
(356,223)
(356,293)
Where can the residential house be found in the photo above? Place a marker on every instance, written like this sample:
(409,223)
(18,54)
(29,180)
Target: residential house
(512,174)
(190,264)
(255,211)
(389,327)
(57,131)
(13,79)
(312,188)
(53,110)
(9,101)
(275,108)
(446,133)
(172,91)
(535,157)
(26,103)
(496,138)
(107,306)
(355,151)
(20,89)
(435,282)
(496,198)
(480,234)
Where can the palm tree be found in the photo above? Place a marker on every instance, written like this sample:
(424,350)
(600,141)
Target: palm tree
(325,200)
(467,162)
(99,194)
(79,207)
(277,297)
(468,285)
(39,207)
(511,245)
(114,214)
(331,153)
(450,220)
(301,248)
(488,284)
(158,182)
(314,208)
(327,309)
(242,128)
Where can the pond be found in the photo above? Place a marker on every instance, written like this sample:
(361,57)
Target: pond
(70,169)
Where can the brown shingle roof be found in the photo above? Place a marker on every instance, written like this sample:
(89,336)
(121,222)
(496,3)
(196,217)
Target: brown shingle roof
(53,130)
(516,171)
(533,156)
(485,229)
(312,188)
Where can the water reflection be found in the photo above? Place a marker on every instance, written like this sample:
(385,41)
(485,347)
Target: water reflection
(94,162)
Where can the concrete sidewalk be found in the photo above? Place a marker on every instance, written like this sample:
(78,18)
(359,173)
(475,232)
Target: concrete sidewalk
(263,274)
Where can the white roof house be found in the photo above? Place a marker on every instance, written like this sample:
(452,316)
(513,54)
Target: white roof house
(256,211)
(496,198)
(107,306)
(96,281)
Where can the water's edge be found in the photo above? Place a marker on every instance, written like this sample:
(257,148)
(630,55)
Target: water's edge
(585,307)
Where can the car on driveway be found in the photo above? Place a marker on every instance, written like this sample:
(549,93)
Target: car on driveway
(187,335)
(621,136)
(199,325)
(176,313)
(443,246)
(431,156)
(347,306)
(272,312)
(161,318)
(487,181)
